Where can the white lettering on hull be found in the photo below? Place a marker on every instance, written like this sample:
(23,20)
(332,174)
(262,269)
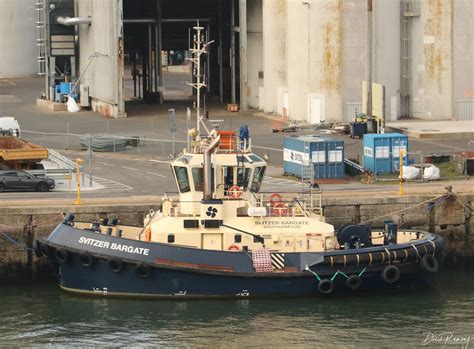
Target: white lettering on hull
(116,247)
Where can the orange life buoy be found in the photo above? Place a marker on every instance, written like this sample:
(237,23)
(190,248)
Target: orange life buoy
(233,248)
(234,191)
(280,207)
(275,198)
(148,234)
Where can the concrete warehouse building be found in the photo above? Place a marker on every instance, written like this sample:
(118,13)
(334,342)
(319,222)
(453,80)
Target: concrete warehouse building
(304,60)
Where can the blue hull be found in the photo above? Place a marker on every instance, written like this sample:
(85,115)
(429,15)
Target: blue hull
(166,283)
(104,265)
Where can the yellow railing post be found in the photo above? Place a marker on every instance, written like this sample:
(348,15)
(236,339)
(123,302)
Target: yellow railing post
(402,152)
(78,181)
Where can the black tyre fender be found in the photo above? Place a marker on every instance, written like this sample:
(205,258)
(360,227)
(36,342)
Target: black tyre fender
(116,265)
(354,282)
(42,187)
(391,274)
(2,187)
(45,250)
(37,249)
(143,270)
(87,260)
(429,263)
(325,286)
(62,255)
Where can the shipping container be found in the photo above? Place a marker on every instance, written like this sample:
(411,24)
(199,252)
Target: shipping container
(382,152)
(322,157)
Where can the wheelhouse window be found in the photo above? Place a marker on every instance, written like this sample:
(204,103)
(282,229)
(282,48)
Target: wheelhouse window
(198,178)
(182,178)
(228,175)
(243,176)
(258,174)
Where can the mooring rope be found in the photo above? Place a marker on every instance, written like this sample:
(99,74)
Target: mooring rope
(403,209)
(14,242)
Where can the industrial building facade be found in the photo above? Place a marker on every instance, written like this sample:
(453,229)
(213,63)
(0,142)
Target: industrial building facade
(303,60)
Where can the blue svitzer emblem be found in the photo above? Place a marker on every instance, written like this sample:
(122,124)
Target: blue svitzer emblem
(211,212)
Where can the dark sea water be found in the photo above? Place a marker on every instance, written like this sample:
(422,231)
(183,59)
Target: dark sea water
(43,315)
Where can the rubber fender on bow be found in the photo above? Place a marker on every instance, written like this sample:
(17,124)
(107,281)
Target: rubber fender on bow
(37,249)
(62,255)
(391,274)
(354,282)
(429,263)
(87,260)
(45,250)
(143,270)
(325,286)
(116,265)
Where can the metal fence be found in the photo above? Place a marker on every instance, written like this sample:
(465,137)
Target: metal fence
(126,144)
(352,108)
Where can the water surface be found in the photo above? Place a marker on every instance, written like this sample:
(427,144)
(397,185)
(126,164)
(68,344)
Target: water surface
(42,314)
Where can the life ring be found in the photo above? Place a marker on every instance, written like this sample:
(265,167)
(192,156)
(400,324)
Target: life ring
(325,286)
(116,265)
(280,207)
(86,259)
(234,192)
(391,274)
(143,270)
(429,263)
(233,248)
(278,198)
(61,255)
(354,282)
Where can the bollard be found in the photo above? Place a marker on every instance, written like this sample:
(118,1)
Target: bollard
(78,180)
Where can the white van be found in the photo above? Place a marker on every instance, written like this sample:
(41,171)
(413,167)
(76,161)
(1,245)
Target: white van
(8,123)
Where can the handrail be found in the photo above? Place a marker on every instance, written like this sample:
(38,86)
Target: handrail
(62,160)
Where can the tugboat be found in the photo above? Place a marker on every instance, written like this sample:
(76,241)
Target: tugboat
(222,237)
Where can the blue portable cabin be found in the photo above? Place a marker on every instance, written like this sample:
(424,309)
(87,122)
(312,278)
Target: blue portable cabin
(382,152)
(324,155)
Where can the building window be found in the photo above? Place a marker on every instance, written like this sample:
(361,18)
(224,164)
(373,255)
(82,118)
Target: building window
(171,238)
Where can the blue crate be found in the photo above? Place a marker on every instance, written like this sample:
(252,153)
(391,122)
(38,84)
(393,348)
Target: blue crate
(325,155)
(382,152)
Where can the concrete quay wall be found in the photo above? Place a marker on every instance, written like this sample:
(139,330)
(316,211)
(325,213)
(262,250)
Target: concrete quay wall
(452,219)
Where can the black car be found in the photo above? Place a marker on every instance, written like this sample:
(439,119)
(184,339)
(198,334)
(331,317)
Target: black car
(20,180)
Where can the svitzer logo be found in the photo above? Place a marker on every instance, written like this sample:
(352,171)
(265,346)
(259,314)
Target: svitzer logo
(211,212)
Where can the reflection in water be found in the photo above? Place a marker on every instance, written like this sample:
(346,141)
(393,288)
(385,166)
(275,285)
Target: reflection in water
(43,314)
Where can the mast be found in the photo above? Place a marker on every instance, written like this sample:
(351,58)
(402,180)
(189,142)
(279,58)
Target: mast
(199,47)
